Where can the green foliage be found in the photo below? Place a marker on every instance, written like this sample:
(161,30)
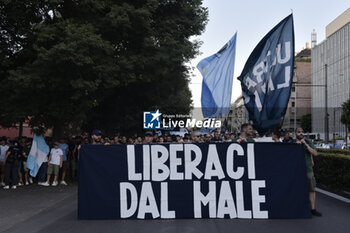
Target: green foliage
(345,117)
(306,122)
(303,60)
(334,151)
(333,171)
(96,63)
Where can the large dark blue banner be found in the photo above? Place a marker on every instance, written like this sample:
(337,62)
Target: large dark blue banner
(267,76)
(224,180)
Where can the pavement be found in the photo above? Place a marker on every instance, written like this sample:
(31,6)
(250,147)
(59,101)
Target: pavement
(54,209)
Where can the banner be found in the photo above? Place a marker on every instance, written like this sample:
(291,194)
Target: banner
(267,76)
(168,181)
(217,71)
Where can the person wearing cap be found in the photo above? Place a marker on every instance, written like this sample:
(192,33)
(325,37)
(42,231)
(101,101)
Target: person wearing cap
(216,137)
(148,138)
(55,163)
(96,136)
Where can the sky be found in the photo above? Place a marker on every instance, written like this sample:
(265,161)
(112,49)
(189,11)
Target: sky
(252,20)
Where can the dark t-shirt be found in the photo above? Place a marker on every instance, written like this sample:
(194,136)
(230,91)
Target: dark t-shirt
(15,154)
(25,150)
(308,159)
(248,139)
(216,139)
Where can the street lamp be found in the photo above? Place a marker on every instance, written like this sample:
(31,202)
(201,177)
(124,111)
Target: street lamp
(326,106)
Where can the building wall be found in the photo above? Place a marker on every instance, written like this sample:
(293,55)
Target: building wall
(334,52)
(237,115)
(300,99)
(338,23)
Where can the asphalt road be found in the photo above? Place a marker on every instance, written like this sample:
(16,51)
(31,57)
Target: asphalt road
(54,209)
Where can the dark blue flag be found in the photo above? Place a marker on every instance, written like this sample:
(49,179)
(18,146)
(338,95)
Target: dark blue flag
(267,76)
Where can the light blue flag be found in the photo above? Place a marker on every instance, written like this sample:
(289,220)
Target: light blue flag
(217,71)
(37,155)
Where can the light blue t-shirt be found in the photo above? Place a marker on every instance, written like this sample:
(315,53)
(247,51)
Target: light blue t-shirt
(3,149)
(64,148)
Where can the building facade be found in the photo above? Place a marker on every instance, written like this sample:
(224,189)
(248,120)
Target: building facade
(300,99)
(237,115)
(330,67)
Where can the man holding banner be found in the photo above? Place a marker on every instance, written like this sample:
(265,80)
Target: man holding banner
(310,151)
(245,135)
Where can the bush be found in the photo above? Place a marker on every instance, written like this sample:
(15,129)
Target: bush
(333,171)
(334,151)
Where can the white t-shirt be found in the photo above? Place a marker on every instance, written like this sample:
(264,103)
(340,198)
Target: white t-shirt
(3,149)
(56,156)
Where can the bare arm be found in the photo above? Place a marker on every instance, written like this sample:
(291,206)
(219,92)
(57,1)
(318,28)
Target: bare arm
(7,155)
(311,150)
(49,158)
(61,160)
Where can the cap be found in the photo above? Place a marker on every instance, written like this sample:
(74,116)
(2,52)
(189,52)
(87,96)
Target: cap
(96,132)
(148,133)
(56,144)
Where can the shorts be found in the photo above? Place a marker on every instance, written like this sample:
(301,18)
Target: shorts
(65,165)
(73,165)
(22,166)
(53,168)
(311,181)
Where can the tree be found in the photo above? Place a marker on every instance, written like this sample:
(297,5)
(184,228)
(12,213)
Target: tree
(98,62)
(16,48)
(345,118)
(306,123)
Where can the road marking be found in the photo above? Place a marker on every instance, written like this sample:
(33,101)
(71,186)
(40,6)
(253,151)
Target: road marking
(338,197)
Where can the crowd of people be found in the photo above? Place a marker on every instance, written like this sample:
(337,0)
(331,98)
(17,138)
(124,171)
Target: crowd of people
(13,160)
(64,154)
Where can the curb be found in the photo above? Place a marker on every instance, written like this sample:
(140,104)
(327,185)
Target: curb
(336,196)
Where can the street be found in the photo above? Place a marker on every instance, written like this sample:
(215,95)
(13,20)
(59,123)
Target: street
(54,209)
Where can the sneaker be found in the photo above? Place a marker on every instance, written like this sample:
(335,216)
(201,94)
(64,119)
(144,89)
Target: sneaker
(6,187)
(314,212)
(30,180)
(2,184)
(20,184)
(27,183)
(64,182)
(40,183)
(45,184)
(55,183)
(13,187)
